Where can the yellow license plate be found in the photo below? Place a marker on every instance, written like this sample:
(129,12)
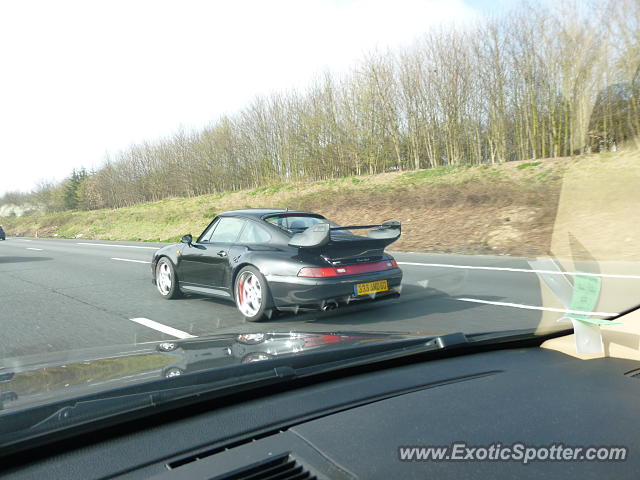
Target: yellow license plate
(371,287)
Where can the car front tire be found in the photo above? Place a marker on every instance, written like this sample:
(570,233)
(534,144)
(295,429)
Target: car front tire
(166,279)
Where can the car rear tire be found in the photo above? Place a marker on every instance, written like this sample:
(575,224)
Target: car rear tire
(166,279)
(252,295)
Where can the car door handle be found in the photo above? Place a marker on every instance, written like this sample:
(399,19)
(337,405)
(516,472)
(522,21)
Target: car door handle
(222,253)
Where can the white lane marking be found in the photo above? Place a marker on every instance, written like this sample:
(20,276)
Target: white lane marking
(36,249)
(533,307)
(162,328)
(119,246)
(128,260)
(522,270)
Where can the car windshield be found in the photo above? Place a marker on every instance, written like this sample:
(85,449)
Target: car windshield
(169,170)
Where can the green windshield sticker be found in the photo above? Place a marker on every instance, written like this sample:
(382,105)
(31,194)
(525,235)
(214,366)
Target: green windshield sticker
(586,292)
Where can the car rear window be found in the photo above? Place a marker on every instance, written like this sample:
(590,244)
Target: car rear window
(296,223)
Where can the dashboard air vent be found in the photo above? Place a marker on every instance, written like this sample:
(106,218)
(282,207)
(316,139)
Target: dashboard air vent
(283,467)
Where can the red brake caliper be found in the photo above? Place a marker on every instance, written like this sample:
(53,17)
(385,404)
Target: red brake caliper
(240,290)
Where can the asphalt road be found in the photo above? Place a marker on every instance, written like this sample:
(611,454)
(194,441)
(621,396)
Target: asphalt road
(58,295)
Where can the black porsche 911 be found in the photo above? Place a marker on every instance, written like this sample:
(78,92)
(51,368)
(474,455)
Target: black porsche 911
(268,260)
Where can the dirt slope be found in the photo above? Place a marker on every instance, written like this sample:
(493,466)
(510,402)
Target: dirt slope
(504,209)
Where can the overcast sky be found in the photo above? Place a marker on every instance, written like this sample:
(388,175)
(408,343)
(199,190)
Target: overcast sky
(80,78)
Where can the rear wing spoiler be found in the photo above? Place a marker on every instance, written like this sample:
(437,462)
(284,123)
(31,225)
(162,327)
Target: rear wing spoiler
(319,235)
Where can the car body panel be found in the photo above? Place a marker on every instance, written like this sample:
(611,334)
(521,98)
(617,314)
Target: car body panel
(204,265)
(304,292)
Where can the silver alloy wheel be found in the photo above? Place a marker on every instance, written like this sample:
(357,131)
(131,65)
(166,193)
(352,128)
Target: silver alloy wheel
(173,372)
(248,294)
(163,278)
(167,346)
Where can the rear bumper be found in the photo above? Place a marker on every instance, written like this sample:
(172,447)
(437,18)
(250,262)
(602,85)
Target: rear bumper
(289,291)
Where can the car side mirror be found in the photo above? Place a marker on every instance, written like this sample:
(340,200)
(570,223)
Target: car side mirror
(188,239)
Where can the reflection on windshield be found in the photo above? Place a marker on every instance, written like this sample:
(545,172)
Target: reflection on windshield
(24,385)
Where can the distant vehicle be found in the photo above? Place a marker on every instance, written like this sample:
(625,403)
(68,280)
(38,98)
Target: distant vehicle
(3,236)
(268,260)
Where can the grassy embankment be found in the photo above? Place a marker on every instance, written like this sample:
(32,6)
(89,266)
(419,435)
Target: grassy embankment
(507,208)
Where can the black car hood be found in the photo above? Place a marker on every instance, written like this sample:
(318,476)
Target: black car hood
(41,379)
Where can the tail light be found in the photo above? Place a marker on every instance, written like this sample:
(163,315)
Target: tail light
(318,272)
(324,272)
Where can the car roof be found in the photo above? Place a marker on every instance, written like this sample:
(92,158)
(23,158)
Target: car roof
(262,212)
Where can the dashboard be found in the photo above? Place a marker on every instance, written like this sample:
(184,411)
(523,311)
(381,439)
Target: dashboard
(353,425)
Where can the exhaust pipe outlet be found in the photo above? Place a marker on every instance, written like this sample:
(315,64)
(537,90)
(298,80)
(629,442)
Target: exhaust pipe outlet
(332,305)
